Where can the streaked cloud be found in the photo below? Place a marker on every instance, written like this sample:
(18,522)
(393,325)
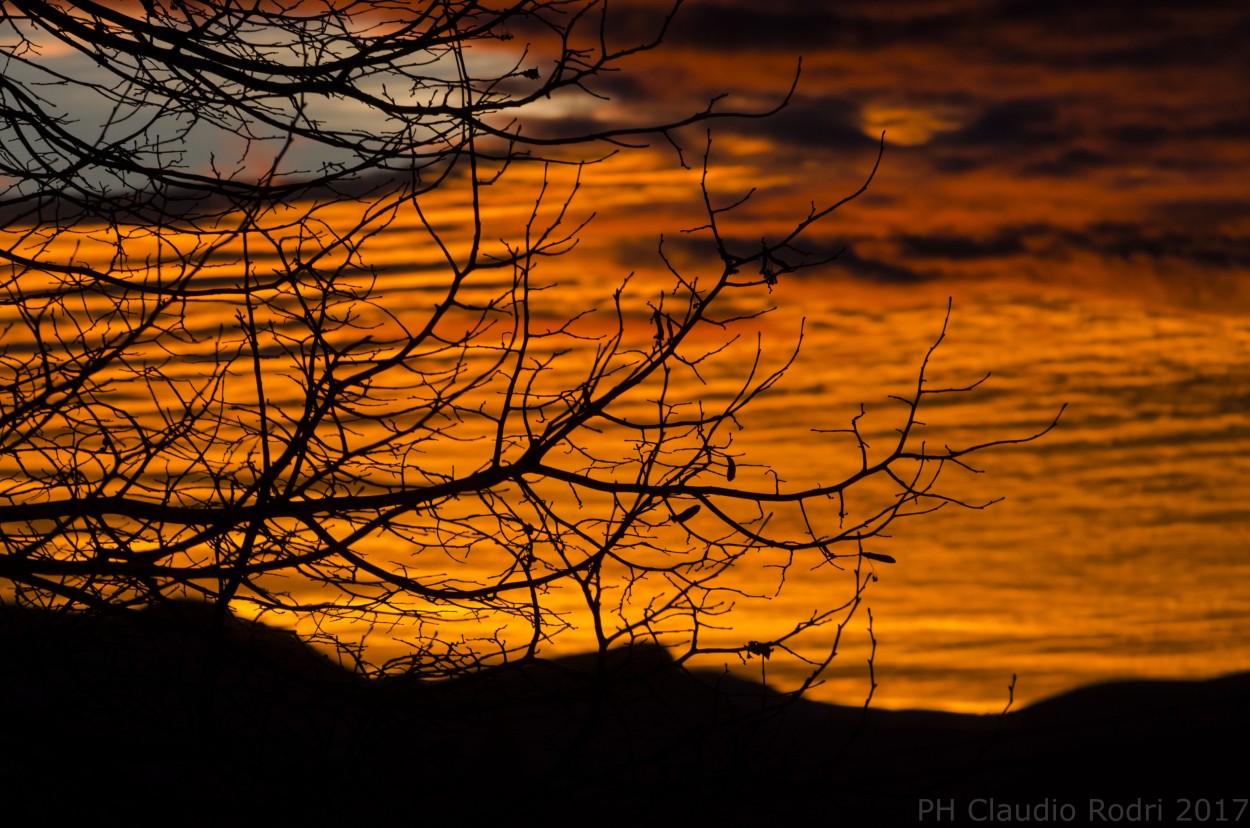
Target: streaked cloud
(1039,136)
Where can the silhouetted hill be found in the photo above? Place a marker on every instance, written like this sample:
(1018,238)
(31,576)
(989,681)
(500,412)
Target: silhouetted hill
(156,719)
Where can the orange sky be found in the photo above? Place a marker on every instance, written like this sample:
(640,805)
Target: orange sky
(1055,149)
(1088,145)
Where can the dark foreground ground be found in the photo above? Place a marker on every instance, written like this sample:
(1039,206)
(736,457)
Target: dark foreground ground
(160,722)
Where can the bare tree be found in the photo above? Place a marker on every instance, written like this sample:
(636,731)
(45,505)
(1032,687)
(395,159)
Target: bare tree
(211,389)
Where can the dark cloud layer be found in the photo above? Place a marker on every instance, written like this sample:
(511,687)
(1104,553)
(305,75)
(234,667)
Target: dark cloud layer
(826,122)
(1096,33)
(1206,250)
(880,271)
(1004,243)
(1011,124)
(1037,137)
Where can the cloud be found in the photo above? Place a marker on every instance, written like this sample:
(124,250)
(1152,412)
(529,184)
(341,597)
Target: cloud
(879,271)
(1006,242)
(1205,213)
(826,122)
(1028,122)
(1212,249)
(1069,162)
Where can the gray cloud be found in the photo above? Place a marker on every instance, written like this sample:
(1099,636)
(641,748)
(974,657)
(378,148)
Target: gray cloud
(827,121)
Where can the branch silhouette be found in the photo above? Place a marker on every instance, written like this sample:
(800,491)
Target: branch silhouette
(213,386)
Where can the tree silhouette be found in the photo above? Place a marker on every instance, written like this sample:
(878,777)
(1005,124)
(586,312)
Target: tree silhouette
(214,388)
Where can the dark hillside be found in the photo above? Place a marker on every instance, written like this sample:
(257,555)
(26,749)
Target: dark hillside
(148,717)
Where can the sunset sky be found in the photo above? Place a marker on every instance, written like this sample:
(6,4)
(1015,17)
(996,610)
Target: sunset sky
(1074,175)
(1071,175)
(1093,145)
(1090,145)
